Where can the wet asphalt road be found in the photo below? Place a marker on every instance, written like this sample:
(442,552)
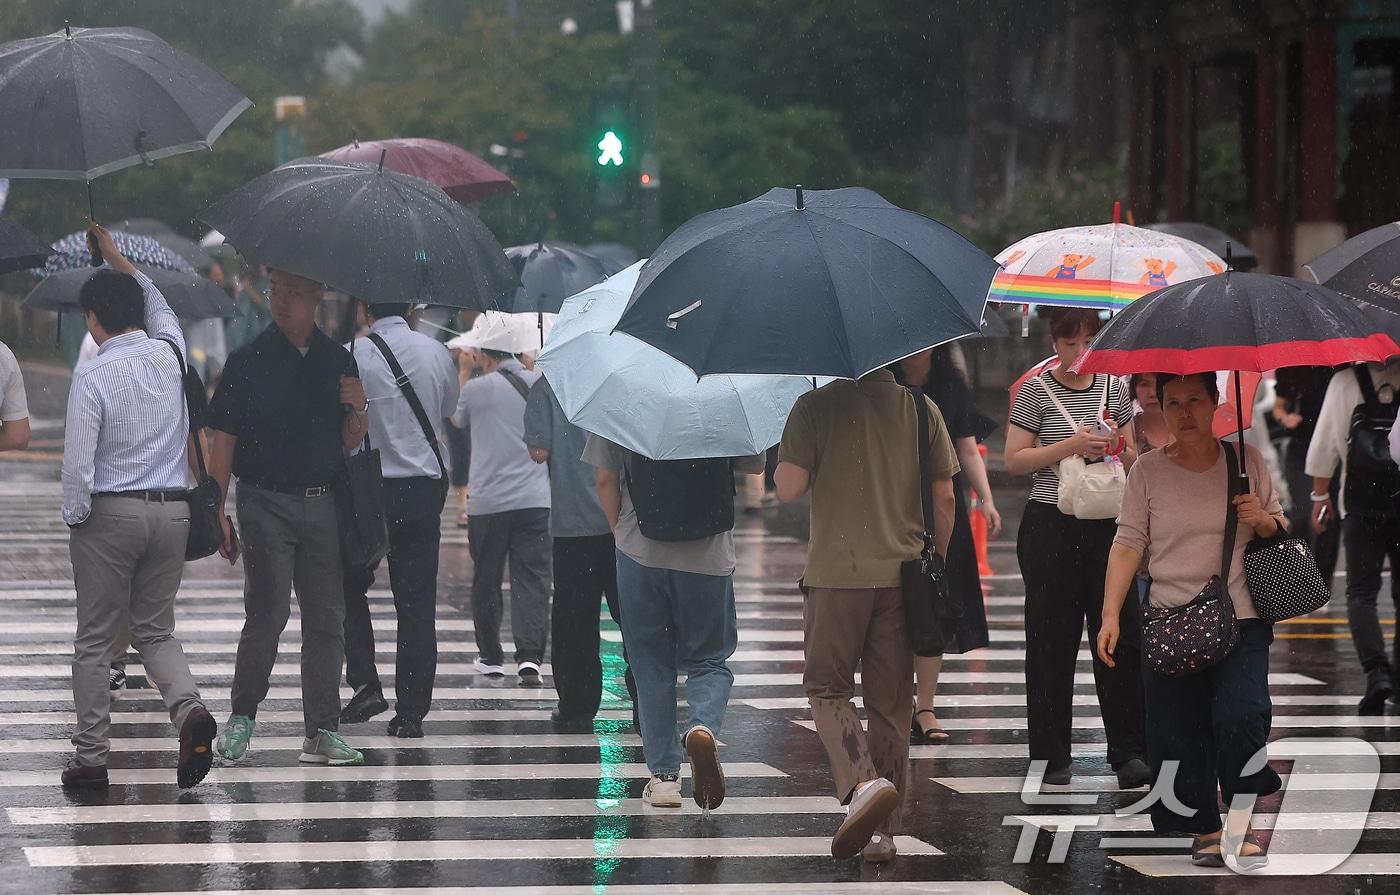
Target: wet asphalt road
(494,800)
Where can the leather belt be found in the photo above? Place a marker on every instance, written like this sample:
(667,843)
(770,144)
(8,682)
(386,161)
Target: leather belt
(293,490)
(148,496)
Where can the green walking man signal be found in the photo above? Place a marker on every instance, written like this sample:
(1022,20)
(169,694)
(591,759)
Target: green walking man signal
(610,150)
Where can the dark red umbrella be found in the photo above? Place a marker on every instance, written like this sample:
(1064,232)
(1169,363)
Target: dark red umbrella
(462,175)
(1235,321)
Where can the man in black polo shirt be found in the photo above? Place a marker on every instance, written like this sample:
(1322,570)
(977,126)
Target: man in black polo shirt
(289,406)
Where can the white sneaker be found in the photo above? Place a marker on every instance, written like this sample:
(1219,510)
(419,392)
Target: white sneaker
(663,792)
(489,670)
(530,675)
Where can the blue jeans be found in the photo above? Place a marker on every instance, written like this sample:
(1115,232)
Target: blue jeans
(676,622)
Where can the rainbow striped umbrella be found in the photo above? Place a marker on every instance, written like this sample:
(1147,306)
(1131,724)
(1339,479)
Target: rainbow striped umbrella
(1106,266)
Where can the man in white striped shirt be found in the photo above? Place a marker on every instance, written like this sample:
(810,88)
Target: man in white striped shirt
(125,497)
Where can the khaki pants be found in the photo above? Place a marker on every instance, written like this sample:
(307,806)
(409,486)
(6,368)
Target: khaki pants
(846,630)
(128,559)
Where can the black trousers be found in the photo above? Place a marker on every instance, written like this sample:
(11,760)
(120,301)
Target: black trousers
(585,574)
(1207,726)
(1064,561)
(1369,540)
(413,510)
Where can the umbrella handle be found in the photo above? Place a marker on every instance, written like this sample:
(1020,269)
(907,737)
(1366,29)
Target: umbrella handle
(1239,423)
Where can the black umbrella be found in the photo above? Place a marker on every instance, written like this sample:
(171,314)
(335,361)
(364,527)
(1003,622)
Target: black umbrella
(1218,241)
(1235,321)
(19,249)
(375,234)
(821,283)
(189,295)
(198,256)
(1365,267)
(83,102)
(549,274)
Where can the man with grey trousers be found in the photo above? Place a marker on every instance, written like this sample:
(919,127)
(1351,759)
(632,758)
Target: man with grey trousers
(125,498)
(509,516)
(289,407)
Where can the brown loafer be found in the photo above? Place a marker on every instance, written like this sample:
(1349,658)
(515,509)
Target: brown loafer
(81,776)
(881,849)
(706,775)
(196,747)
(1206,852)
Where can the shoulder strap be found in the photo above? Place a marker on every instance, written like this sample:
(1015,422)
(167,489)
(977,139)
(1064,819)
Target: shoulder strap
(1368,387)
(517,383)
(1227,553)
(402,381)
(189,410)
(1073,425)
(925,469)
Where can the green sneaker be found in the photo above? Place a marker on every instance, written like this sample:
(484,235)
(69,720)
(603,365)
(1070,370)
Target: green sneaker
(232,744)
(326,747)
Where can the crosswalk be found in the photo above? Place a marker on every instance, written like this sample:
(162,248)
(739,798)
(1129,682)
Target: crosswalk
(494,799)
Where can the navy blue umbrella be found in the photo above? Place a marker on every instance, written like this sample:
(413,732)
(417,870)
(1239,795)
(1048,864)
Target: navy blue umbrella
(821,283)
(549,274)
(71,252)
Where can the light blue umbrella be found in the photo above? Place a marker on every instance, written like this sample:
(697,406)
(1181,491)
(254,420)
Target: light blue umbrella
(647,401)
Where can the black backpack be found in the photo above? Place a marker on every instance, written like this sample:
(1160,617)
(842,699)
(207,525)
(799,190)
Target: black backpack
(681,500)
(1373,479)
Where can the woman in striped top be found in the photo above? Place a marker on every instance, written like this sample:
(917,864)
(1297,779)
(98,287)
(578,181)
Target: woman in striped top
(1064,559)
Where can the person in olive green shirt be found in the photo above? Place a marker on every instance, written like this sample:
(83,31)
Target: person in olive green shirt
(854,446)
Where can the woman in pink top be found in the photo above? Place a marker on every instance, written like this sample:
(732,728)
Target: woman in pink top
(1205,727)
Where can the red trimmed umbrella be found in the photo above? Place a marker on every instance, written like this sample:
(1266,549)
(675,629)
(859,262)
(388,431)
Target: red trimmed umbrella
(462,175)
(1235,321)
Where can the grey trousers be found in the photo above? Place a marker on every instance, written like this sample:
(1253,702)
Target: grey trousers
(288,542)
(523,537)
(128,558)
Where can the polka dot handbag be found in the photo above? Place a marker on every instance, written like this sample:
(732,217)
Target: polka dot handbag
(1284,581)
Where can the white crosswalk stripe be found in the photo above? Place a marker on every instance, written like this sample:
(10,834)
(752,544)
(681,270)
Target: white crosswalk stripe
(493,784)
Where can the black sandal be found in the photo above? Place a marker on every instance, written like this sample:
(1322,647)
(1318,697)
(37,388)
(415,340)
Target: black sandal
(1203,858)
(920,737)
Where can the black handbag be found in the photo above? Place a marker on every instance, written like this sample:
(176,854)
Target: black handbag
(924,581)
(1188,639)
(206,498)
(406,387)
(359,509)
(1284,581)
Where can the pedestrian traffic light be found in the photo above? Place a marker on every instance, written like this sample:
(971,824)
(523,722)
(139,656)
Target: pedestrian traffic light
(610,149)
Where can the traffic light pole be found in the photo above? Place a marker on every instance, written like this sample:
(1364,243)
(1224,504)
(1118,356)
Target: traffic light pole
(646,87)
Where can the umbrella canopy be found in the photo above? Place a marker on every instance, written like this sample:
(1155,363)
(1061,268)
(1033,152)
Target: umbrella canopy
(71,252)
(83,102)
(511,333)
(191,251)
(373,233)
(462,175)
(1106,266)
(1235,321)
(19,249)
(550,274)
(817,283)
(1217,242)
(1365,267)
(646,400)
(190,296)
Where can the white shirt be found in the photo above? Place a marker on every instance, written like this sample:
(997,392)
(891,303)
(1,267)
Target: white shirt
(1328,449)
(88,350)
(127,425)
(503,476)
(393,429)
(13,406)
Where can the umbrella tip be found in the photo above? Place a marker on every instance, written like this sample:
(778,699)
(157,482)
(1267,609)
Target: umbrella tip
(355,139)
(67,31)
(1117,212)
(1229,256)
(800,203)
(382,153)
